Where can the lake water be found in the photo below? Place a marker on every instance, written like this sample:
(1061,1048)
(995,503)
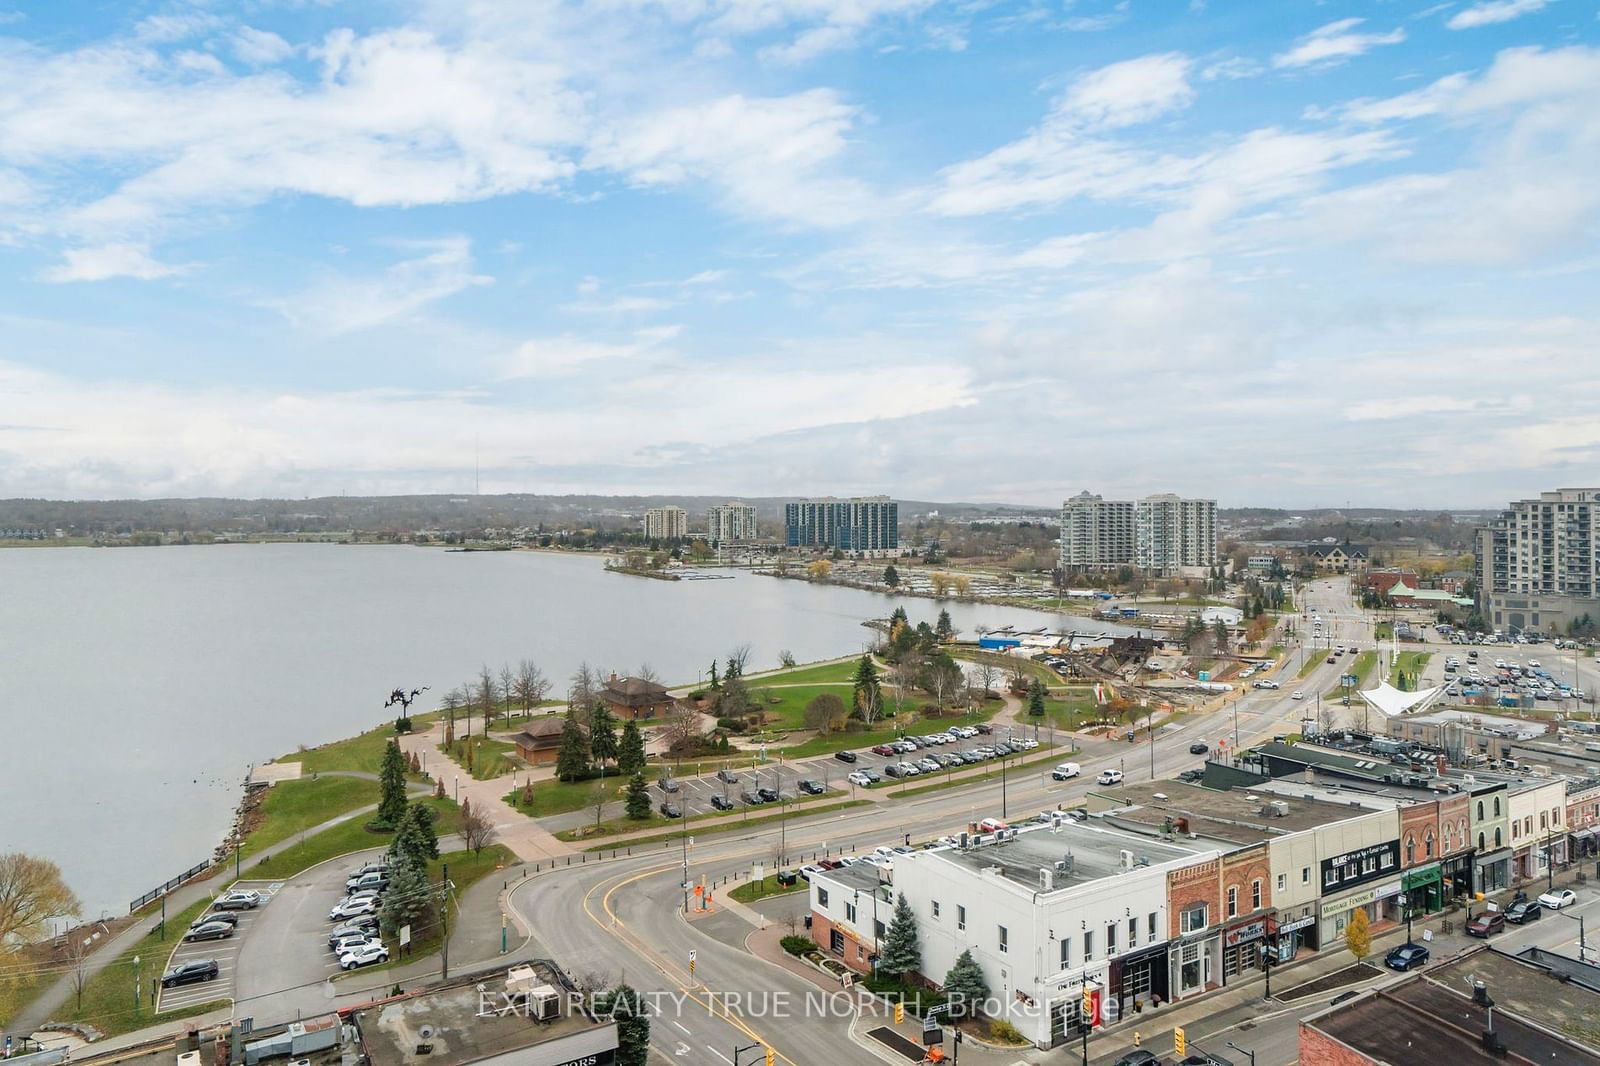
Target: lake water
(137,685)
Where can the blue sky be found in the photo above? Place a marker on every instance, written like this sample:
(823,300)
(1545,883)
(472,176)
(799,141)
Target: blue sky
(1292,253)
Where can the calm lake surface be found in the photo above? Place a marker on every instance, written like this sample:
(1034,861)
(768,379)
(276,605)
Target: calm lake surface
(137,685)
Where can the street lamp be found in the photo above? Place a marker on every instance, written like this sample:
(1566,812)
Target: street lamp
(1583,945)
(1243,1051)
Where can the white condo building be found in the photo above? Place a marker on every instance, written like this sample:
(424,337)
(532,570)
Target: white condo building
(1538,563)
(666,523)
(1165,534)
(731,523)
(1096,533)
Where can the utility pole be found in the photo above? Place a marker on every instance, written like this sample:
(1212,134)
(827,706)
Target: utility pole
(685,838)
(444,917)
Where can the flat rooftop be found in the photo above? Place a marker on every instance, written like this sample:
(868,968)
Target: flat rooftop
(1528,991)
(1425,1022)
(465,1026)
(1095,852)
(1236,816)
(857,877)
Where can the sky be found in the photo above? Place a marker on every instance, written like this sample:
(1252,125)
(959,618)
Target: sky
(1281,254)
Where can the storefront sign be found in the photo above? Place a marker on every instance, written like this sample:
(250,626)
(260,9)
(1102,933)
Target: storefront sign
(1361,865)
(1297,924)
(1359,899)
(1385,891)
(1245,933)
(1419,878)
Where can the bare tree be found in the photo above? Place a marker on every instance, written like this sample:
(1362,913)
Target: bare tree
(530,686)
(683,725)
(487,691)
(78,959)
(987,674)
(581,692)
(647,672)
(597,796)
(477,828)
(1019,672)
(508,684)
(786,658)
(741,656)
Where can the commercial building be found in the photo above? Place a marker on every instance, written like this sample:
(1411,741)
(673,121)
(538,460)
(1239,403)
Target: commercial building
(731,523)
(1174,535)
(1164,534)
(1096,534)
(866,526)
(1538,563)
(666,523)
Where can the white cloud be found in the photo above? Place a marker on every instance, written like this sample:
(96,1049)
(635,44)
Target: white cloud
(260,47)
(1133,91)
(342,304)
(1335,43)
(105,261)
(1493,11)
(567,354)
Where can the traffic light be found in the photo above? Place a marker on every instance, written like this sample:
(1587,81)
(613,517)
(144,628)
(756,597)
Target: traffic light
(1179,1044)
(899,1013)
(1088,1003)
(770,1055)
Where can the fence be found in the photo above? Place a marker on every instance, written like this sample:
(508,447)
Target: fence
(157,893)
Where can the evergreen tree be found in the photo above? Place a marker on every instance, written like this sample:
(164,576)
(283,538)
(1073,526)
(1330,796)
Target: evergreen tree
(638,799)
(716,682)
(868,698)
(733,669)
(943,629)
(900,953)
(965,987)
(414,838)
(603,736)
(1036,698)
(891,576)
(630,750)
(572,758)
(409,899)
(392,787)
(633,1024)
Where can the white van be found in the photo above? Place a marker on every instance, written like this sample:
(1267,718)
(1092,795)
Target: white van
(1065,771)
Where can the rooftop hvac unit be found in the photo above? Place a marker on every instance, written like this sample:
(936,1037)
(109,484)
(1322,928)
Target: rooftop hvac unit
(520,980)
(1066,864)
(544,1003)
(1127,859)
(1047,879)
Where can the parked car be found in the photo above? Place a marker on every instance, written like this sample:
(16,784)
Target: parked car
(885,749)
(238,901)
(352,941)
(364,956)
(670,810)
(990,825)
(721,802)
(1487,924)
(750,798)
(928,765)
(211,931)
(1199,747)
(859,777)
(729,776)
(1110,777)
(375,879)
(1139,1057)
(351,908)
(873,776)
(845,756)
(808,869)
(909,769)
(768,795)
(667,784)
(1192,776)
(1066,771)
(984,727)
(811,787)
(1524,910)
(188,973)
(215,916)
(1406,957)
(362,925)
(1561,897)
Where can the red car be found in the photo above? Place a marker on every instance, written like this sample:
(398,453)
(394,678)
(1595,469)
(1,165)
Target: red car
(883,749)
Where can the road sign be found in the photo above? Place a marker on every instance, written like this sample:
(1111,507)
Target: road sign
(405,935)
(1180,1046)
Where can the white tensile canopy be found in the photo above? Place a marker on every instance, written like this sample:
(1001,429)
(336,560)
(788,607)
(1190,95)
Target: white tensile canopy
(1392,702)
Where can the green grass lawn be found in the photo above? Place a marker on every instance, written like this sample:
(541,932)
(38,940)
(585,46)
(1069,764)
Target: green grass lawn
(1068,714)
(347,837)
(1314,658)
(788,710)
(808,675)
(1411,662)
(623,824)
(18,986)
(490,758)
(291,806)
(1363,666)
(559,797)
(1383,631)
(719,822)
(362,752)
(108,995)
(888,731)
(466,870)
(751,891)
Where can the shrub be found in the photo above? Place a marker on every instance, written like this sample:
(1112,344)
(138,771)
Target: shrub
(402,725)
(732,725)
(797,945)
(1004,1032)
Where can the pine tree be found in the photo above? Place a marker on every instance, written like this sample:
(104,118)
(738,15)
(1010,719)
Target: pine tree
(1036,698)
(572,758)
(630,751)
(638,800)
(415,837)
(867,697)
(943,629)
(409,899)
(733,668)
(392,787)
(716,682)
(633,1025)
(900,953)
(964,986)
(891,576)
(603,736)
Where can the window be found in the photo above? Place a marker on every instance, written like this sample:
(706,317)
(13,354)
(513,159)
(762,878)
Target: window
(1088,947)
(1411,849)
(1497,806)
(1133,932)
(850,913)
(1330,877)
(1544,820)
(1283,882)
(1480,810)
(1233,901)
(1305,875)
(878,929)
(1192,919)
(1066,952)
(822,897)
(1152,927)
(1427,845)
(936,908)
(1497,837)
(1255,894)
(961,916)
(1516,830)
(1111,939)
(1005,940)
(1481,845)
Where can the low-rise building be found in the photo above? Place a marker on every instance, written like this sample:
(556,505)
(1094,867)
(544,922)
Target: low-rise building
(540,740)
(636,698)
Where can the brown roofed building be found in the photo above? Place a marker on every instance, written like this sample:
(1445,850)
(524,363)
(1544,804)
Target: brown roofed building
(540,740)
(634,697)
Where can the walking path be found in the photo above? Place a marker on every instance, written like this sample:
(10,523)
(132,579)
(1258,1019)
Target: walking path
(526,838)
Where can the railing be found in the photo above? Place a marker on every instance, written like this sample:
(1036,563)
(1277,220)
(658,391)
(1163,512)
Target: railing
(157,893)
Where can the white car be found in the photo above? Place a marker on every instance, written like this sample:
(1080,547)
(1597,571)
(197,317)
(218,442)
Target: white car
(1066,770)
(365,955)
(346,944)
(1297,695)
(351,908)
(908,769)
(1110,777)
(859,778)
(1265,682)
(1561,897)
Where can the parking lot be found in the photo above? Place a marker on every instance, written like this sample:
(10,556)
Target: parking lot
(694,794)
(224,952)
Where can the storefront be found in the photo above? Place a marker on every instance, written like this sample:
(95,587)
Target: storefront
(1380,902)
(1377,867)
(1423,889)
(1584,843)
(1295,934)
(1241,946)
(1192,963)
(1139,979)
(1455,876)
(1491,871)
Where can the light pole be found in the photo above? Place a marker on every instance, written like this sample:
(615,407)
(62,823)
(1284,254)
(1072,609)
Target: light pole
(1243,1051)
(1583,945)
(685,839)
